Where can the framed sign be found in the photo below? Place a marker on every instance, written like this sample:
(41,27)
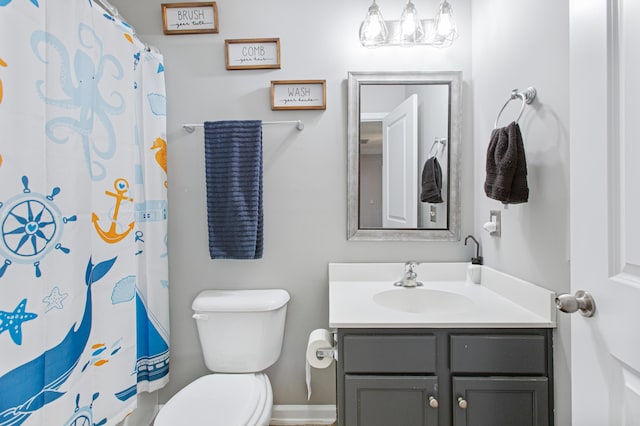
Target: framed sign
(298,94)
(190,18)
(252,53)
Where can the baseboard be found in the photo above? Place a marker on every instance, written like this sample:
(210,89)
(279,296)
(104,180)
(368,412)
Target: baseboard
(303,415)
(280,415)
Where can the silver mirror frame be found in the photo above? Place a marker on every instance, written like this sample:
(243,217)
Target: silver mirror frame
(355,80)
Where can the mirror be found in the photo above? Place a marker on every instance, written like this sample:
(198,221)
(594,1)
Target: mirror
(403,160)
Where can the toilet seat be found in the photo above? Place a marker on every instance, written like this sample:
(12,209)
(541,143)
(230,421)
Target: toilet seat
(220,399)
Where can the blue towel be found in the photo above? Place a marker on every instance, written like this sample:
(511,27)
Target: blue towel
(233,163)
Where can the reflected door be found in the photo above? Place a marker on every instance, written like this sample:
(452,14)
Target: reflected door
(400,166)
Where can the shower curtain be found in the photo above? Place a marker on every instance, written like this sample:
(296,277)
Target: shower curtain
(84,320)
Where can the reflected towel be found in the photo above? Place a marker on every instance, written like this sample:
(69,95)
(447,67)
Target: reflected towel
(506,166)
(431,191)
(233,163)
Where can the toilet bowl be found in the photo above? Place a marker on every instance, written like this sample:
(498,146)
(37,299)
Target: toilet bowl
(220,399)
(241,334)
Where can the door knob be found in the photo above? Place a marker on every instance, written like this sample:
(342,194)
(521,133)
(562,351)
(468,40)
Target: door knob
(433,402)
(462,403)
(582,301)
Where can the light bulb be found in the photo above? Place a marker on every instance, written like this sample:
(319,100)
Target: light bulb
(373,30)
(445,26)
(411,30)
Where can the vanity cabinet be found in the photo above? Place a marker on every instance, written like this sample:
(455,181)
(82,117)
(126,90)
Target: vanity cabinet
(444,377)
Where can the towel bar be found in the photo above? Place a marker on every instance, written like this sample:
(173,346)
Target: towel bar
(527,97)
(299,125)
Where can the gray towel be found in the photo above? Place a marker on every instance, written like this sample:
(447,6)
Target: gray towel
(233,163)
(506,166)
(431,182)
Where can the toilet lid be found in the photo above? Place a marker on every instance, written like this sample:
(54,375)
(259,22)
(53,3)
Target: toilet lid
(219,399)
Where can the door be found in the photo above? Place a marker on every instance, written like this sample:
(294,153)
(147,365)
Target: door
(605,209)
(391,400)
(400,166)
(491,401)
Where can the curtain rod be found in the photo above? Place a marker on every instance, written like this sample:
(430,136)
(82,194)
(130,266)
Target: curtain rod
(113,11)
(108,7)
(299,125)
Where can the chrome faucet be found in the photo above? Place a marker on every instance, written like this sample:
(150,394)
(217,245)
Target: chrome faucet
(410,276)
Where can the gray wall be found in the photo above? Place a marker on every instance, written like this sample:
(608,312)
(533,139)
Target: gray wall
(305,173)
(517,44)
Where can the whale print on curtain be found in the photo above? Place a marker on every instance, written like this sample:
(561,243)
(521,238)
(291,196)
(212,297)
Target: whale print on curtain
(84,316)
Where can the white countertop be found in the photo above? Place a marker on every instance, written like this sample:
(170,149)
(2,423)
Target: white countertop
(500,300)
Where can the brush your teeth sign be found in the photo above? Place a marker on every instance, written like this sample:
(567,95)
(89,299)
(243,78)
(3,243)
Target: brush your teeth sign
(190,18)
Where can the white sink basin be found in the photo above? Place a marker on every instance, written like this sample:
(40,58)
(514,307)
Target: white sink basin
(418,300)
(362,295)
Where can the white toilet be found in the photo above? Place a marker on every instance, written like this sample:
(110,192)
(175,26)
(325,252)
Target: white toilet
(241,333)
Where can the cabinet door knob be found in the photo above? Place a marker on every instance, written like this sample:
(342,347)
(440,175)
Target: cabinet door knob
(462,403)
(433,402)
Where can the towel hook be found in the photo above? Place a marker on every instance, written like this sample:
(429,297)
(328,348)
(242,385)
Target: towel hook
(439,145)
(527,97)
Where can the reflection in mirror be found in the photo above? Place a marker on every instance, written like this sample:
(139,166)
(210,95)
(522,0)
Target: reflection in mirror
(403,156)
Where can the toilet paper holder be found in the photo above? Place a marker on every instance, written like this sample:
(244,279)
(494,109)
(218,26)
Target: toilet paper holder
(326,352)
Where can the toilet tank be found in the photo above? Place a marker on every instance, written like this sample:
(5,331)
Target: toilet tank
(241,331)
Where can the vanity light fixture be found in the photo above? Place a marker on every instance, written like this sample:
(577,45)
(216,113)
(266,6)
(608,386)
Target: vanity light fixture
(410,30)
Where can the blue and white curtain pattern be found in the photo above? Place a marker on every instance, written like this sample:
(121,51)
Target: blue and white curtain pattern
(84,319)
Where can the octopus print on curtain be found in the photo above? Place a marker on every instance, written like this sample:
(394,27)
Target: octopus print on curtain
(84,316)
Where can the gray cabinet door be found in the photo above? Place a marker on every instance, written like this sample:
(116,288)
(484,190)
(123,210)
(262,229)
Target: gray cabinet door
(390,400)
(500,401)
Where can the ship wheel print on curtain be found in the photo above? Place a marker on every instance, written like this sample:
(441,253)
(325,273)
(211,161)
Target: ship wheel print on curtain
(30,227)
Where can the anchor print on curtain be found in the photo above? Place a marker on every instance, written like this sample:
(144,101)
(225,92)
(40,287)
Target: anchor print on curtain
(84,321)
